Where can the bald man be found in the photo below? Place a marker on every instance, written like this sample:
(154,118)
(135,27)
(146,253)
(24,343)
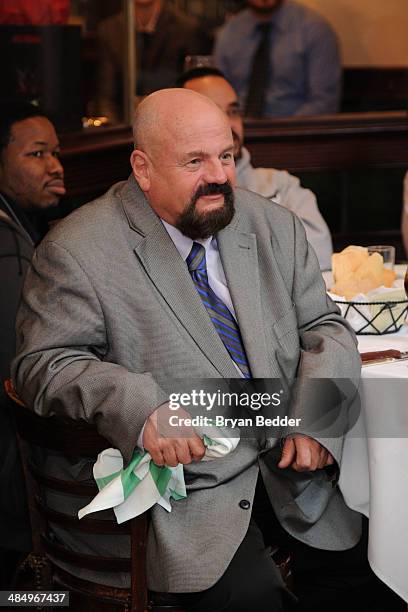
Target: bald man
(176,275)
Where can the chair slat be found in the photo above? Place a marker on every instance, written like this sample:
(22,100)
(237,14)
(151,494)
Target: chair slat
(88,525)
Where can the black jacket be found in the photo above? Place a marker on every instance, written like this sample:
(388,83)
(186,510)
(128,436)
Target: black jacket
(16,251)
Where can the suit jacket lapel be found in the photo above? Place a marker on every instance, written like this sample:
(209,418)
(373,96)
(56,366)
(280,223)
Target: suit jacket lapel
(240,262)
(168,272)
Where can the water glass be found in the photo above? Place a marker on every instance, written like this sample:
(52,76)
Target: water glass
(386,251)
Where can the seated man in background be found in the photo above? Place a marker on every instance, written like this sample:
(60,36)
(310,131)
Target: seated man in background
(282,58)
(31,180)
(277,185)
(172,275)
(163,39)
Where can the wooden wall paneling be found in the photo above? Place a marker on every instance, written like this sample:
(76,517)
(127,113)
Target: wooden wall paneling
(96,159)
(343,141)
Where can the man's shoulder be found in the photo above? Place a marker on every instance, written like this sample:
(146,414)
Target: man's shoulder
(240,22)
(304,16)
(92,221)
(268,182)
(277,181)
(13,240)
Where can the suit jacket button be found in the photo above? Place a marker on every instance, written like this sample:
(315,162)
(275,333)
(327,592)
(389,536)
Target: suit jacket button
(244,504)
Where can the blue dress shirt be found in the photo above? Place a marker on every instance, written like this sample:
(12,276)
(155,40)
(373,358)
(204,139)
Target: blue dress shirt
(305,64)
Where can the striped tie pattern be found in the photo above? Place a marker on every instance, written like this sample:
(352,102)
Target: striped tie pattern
(221,317)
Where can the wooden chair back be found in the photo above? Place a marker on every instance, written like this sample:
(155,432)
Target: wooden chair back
(75,439)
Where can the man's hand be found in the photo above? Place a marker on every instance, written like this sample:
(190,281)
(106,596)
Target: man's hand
(304,454)
(159,439)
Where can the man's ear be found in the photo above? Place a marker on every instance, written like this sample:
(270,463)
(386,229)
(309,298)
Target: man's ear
(139,163)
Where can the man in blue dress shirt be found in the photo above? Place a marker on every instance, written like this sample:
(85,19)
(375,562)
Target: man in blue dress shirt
(300,58)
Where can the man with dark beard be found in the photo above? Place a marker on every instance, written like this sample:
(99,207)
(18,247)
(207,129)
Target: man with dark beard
(161,280)
(193,225)
(276,185)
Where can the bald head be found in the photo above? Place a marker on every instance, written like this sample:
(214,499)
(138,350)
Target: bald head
(183,160)
(168,112)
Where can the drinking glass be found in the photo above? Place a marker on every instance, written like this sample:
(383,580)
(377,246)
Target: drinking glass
(198,61)
(386,251)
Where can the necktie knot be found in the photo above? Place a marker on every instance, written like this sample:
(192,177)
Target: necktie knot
(196,258)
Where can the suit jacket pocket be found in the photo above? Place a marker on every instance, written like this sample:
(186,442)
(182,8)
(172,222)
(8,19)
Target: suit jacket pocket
(304,494)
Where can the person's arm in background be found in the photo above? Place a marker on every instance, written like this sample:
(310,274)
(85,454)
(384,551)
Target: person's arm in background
(404,219)
(323,71)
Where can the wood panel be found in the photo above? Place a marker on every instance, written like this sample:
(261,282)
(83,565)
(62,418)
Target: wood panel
(332,142)
(95,159)
(374,89)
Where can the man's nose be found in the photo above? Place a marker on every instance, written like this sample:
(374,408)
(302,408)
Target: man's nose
(215,172)
(54,165)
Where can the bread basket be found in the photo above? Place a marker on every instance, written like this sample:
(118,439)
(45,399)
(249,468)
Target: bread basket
(374,317)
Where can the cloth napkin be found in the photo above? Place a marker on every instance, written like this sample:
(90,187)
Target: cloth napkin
(132,490)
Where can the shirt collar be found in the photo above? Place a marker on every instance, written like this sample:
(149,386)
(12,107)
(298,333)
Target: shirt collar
(184,243)
(277,19)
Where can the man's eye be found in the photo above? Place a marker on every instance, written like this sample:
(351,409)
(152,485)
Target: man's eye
(193,162)
(36,153)
(56,153)
(226,157)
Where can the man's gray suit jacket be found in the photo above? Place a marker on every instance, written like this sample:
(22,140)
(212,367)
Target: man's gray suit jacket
(110,315)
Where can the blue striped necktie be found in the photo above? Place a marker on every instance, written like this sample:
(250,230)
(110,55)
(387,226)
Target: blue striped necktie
(221,317)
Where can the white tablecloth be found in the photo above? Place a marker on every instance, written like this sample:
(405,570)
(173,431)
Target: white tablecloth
(374,473)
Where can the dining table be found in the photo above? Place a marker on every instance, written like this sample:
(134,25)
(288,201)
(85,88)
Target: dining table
(374,468)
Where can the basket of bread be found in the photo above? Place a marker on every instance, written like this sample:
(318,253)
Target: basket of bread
(369,295)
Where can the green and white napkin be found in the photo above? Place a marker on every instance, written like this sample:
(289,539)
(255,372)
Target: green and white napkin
(132,490)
